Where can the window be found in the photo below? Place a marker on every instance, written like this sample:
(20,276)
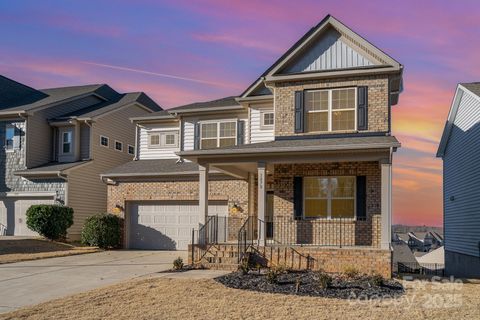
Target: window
(166,139)
(131,149)
(268,119)
(9,137)
(218,134)
(329,197)
(66,142)
(104,141)
(330,110)
(118,145)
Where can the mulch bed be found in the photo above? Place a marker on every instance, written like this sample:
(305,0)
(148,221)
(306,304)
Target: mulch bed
(305,283)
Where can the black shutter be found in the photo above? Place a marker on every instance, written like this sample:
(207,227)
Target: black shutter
(240,132)
(297,197)
(361,197)
(299,112)
(196,136)
(362,107)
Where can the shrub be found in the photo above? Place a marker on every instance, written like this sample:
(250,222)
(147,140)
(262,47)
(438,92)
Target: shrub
(324,280)
(178,264)
(244,266)
(351,272)
(273,273)
(102,230)
(376,280)
(50,221)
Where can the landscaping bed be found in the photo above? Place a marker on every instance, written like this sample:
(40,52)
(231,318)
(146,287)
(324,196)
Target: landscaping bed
(311,283)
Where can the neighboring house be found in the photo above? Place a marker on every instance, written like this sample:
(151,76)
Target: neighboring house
(434,259)
(301,160)
(404,256)
(55,144)
(460,151)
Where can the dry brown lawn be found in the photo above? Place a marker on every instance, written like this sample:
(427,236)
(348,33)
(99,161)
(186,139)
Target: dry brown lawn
(164,298)
(23,249)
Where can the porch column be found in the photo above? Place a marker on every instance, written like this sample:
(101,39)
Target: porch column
(386,204)
(203,195)
(262,202)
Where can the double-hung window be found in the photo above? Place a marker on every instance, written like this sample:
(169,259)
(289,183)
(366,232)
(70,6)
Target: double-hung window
(9,137)
(331,110)
(67,142)
(165,139)
(329,197)
(218,134)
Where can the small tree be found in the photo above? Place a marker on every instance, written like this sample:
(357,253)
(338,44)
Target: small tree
(102,230)
(50,221)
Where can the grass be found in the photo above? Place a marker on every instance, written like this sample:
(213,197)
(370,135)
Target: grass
(23,249)
(163,298)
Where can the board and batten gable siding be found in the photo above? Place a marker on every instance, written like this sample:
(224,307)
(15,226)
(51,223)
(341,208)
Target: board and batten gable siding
(188,126)
(258,133)
(87,194)
(39,132)
(157,153)
(332,52)
(461,169)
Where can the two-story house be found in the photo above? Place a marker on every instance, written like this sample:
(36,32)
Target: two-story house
(297,167)
(55,144)
(459,149)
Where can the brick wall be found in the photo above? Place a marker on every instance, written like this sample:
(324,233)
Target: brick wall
(378,106)
(359,233)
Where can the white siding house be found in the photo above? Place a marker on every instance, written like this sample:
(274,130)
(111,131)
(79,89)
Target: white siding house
(460,151)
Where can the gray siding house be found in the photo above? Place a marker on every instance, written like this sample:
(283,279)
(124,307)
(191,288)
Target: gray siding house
(55,142)
(460,151)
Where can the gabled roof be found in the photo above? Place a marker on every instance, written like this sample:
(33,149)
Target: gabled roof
(380,61)
(14,94)
(473,89)
(213,105)
(101,108)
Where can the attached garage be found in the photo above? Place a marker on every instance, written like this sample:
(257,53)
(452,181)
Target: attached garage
(166,225)
(13,214)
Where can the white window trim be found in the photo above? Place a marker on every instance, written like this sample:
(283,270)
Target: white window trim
(108,141)
(13,138)
(115,146)
(71,142)
(330,110)
(128,149)
(162,139)
(262,119)
(329,200)
(218,122)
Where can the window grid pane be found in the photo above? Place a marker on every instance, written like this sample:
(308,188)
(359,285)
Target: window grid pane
(209,130)
(227,129)
(170,139)
(268,119)
(154,139)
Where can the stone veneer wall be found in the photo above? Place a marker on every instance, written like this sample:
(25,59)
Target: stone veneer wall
(358,233)
(12,161)
(378,101)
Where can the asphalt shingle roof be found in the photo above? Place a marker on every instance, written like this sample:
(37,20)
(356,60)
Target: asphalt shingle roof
(51,167)
(14,94)
(223,102)
(473,86)
(153,167)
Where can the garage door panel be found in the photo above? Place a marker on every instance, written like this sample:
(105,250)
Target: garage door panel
(168,225)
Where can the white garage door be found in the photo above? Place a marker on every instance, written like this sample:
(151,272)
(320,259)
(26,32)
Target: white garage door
(166,225)
(13,214)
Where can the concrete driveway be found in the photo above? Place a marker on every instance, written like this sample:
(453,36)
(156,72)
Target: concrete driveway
(32,282)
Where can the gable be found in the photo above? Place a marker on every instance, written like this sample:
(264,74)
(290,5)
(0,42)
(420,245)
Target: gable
(330,51)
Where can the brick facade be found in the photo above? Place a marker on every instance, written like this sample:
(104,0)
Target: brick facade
(378,101)
(358,233)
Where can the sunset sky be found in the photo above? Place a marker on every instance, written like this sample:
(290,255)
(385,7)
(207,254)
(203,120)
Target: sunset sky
(184,51)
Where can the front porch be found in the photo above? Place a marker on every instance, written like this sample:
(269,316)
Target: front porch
(307,203)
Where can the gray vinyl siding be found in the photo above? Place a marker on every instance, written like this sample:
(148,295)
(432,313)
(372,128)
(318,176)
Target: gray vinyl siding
(87,194)
(84,142)
(461,168)
(331,52)
(39,132)
(257,132)
(147,152)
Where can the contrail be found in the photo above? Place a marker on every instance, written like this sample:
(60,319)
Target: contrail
(157,74)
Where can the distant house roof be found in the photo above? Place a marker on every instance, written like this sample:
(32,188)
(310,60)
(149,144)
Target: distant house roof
(436,256)
(472,88)
(299,145)
(403,254)
(106,106)
(49,169)
(213,105)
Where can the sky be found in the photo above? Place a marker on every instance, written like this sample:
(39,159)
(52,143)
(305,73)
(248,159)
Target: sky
(184,51)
